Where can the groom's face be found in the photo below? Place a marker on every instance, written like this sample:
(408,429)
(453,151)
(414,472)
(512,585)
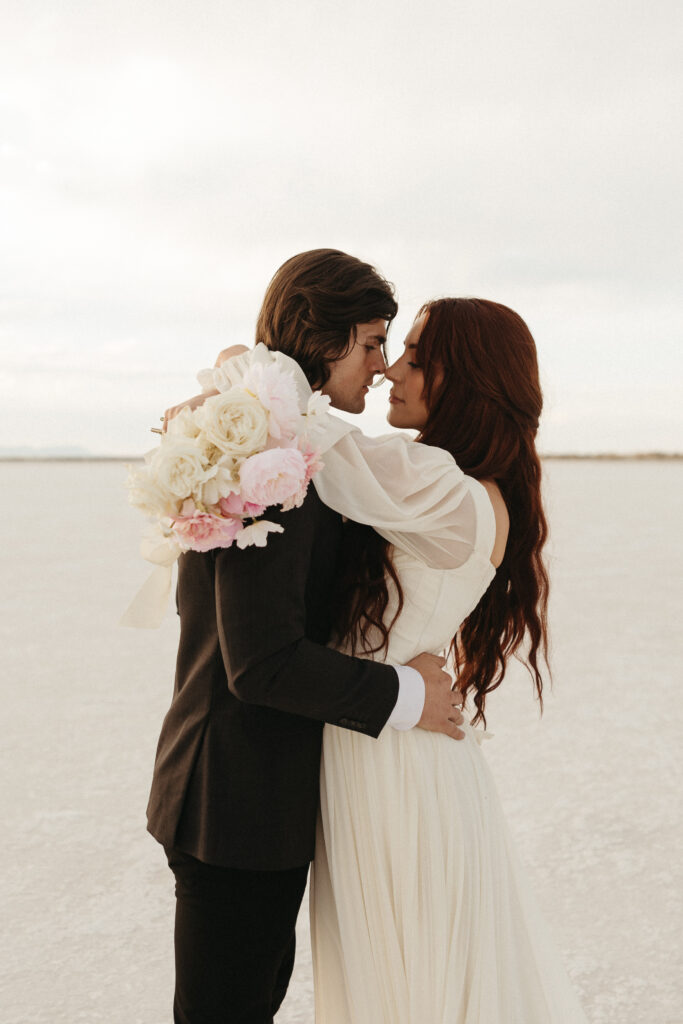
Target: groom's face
(351,376)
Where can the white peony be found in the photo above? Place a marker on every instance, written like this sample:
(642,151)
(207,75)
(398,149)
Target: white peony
(257,534)
(146,493)
(206,380)
(183,424)
(222,378)
(318,404)
(222,479)
(178,465)
(235,423)
(276,391)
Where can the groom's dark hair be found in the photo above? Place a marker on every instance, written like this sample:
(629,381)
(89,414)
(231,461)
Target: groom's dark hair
(313,304)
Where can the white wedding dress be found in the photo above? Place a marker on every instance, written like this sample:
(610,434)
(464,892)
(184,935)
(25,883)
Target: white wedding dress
(420,912)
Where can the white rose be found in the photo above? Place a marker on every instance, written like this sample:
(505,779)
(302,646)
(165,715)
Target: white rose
(235,423)
(178,465)
(147,494)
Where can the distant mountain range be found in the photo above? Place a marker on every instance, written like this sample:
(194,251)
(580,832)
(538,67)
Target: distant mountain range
(75,453)
(50,452)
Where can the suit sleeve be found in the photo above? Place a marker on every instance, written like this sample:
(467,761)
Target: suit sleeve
(261,618)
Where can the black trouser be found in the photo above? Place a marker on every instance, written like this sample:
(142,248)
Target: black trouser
(234,940)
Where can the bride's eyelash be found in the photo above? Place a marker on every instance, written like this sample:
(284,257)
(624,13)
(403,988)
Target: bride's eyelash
(416,366)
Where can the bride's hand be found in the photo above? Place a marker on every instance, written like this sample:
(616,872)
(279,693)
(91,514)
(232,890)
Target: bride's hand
(197,400)
(190,403)
(228,353)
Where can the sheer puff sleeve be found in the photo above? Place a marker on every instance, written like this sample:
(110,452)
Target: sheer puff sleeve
(412,494)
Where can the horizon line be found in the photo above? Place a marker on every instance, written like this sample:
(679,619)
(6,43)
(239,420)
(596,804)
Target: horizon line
(93,457)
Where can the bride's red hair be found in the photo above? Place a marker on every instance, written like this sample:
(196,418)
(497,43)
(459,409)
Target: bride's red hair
(484,398)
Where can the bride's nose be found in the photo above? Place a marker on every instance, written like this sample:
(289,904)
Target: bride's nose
(391,372)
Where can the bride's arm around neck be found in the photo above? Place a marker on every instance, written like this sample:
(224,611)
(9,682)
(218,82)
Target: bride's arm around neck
(413,494)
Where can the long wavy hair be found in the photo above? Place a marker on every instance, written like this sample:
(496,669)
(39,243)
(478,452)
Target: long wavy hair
(482,390)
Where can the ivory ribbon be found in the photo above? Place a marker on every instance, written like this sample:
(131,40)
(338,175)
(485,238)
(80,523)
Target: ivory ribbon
(148,607)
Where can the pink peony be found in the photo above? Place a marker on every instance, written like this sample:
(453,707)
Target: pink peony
(311,457)
(276,391)
(235,505)
(273,476)
(204,532)
(314,464)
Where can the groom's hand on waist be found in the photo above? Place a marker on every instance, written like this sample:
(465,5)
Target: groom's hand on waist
(441,712)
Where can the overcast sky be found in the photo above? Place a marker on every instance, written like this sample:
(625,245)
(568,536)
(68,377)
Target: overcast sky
(160,160)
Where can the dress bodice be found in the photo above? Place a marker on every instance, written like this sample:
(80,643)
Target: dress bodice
(436,601)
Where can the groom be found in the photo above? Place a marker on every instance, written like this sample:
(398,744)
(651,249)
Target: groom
(235,789)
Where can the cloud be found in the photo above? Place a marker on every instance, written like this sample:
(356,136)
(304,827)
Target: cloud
(157,168)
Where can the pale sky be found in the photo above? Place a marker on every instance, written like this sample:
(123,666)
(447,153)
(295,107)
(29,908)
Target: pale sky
(159,161)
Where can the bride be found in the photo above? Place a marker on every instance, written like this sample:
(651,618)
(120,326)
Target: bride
(419,909)
(420,912)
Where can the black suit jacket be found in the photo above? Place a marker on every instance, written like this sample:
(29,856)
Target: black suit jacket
(236,773)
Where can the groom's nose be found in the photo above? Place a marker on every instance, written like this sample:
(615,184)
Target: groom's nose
(378,363)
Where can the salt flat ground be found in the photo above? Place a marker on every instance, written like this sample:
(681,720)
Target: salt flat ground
(593,792)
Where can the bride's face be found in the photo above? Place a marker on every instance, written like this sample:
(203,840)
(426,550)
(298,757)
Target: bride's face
(407,408)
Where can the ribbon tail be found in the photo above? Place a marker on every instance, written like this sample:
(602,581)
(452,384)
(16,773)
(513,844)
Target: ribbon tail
(148,607)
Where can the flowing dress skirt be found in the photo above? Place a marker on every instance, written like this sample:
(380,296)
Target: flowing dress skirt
(420,911)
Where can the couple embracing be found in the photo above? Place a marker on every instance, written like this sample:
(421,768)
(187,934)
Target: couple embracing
(312,719)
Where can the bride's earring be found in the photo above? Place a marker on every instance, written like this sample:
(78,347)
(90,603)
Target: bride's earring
(378,383)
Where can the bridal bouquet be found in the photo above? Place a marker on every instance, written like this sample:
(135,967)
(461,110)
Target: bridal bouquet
(220,466)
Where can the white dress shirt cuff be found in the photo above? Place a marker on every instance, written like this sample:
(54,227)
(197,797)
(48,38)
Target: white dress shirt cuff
(411,699)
